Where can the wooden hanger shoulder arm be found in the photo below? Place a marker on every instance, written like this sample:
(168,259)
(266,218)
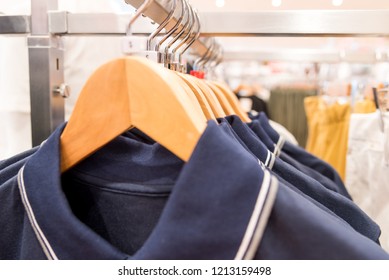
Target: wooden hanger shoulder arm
(131,92)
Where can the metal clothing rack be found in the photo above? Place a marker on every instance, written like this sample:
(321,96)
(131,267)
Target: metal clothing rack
(307,55)
(303,23)
(46,70)
(47,25)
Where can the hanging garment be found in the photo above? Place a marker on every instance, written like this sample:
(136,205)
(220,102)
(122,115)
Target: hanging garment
(302,155)
(338,204)
(284,132)
(286,107)
(256,104)
(280,129)
(133,199)
(365,106)
(368,168)
(329,184)
(328,131)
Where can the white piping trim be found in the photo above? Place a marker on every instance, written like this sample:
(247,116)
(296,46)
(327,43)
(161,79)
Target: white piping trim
(272,160)
(253,223)
(271,197)
(267,158)
(280,145)
(47,249)
(276,151)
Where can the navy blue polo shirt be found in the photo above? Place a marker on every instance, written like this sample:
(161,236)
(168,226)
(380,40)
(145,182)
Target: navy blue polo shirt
(302,155)
(260,132)
(335,202)
(132,199)
(225,125)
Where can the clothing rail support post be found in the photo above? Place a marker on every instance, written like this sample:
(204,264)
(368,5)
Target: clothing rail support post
(46,59)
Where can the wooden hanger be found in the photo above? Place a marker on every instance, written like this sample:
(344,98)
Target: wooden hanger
(209,96)
(131,92)
(233,100)
(191,95)
(207,110)
(222,99)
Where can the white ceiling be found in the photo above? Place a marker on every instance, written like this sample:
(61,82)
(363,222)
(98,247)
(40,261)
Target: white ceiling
(259,5)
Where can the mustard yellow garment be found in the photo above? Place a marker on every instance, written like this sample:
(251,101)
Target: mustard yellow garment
(328,126)
(364,107)
(328,131)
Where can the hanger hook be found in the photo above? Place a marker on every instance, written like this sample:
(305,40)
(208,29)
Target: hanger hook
(174,28)
(199,62)
(182,30)
(220,56)
(197,33)
(190,30)
(211,61)
(138,13)
(215,59)
(162,25)
(184,45)
(211,54)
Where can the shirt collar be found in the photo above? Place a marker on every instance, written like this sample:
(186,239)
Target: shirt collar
(260,132)
(249,138)
(264,121)
(218,208)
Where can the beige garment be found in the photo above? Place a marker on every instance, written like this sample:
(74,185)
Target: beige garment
(328,125)
(282,131)
(367,168)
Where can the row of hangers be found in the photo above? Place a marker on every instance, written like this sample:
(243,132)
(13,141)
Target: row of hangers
(167,105)
(187,29)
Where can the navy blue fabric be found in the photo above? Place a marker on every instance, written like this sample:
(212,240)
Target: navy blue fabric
(305,196)
(207,210)
(9,161)
(17,239)
(107,184)
(304,157)
(225,125)
(336,202)
(325,181)
(255,126)
(203,215)
(258,130)
(11,166)
(294,223)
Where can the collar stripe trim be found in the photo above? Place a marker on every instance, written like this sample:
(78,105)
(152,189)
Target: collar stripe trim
(279,146)
(267,158)
(262,222)
(46,247)
(272,160)
(258,220)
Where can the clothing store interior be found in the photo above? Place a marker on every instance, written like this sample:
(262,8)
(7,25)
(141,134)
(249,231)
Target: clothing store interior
(194,129)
